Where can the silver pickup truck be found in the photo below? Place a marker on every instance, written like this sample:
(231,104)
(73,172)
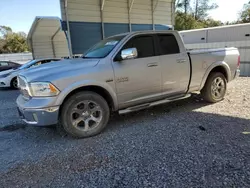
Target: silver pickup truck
(124,73)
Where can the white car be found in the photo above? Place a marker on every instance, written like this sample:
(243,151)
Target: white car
(9,78)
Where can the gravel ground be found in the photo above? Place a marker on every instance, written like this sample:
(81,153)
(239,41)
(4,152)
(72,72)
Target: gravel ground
(183,144)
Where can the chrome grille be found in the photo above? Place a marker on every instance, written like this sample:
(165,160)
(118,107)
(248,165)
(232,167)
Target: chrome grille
(22,84)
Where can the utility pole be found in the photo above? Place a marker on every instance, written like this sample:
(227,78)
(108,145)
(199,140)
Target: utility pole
(185,5)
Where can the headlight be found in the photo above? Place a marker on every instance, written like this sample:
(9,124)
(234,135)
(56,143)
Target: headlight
(43,89)
(5,75)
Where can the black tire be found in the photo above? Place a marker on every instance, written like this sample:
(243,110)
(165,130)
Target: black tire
(13,83)
(67,114)
(208,92)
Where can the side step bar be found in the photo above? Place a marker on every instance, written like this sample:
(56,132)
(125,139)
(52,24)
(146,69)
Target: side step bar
(148,105)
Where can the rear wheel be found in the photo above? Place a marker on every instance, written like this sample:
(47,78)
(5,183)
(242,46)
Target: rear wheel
(215,88)
(13,83)
(84,114)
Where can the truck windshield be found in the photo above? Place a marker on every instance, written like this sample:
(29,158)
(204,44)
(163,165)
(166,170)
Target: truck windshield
(103,48)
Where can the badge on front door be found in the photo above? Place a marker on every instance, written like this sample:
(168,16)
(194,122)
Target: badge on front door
(122,79)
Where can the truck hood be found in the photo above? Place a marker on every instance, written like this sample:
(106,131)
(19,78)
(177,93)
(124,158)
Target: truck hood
(57,67)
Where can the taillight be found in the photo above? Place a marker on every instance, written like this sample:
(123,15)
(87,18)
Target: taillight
(238,64)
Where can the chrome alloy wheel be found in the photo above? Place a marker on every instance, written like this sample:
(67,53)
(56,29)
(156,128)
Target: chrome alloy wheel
(218,87)
(86,115)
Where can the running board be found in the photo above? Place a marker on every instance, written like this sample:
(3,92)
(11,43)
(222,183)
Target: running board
(148,105)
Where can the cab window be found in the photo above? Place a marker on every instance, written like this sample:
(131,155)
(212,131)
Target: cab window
(143,44)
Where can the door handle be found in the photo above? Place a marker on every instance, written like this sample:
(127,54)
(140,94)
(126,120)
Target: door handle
(152,64)
(181,60)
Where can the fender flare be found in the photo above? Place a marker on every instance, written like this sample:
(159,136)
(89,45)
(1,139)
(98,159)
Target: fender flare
(222,64)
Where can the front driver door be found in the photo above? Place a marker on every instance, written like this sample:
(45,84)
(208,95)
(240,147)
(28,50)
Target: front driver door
(138,80)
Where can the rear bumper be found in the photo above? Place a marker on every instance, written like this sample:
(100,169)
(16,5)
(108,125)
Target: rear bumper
(237,73)
(43,114)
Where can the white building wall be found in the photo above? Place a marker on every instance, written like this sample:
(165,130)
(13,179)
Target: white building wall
(42,48)
(142,12)
(220,37)
(194,36)
(46,38)
(164,12)
(239,32)
(227,34)
(115,11)
(243,46)
(60,45)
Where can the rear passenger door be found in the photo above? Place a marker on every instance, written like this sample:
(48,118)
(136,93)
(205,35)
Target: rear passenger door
(175,67)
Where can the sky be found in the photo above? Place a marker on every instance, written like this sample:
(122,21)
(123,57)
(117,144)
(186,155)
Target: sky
(228,9)
(19,14)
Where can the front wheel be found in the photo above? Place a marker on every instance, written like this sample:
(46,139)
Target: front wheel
(215,88)
(84,114)
(13,83)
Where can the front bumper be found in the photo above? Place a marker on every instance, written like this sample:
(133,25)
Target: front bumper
(41,115)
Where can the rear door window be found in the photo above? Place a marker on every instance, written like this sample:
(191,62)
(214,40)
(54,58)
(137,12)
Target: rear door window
(168,44)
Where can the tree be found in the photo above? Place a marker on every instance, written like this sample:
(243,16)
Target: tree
(198,8)
(211,23)
(245,14)
(202,7)
(186,21)
(194,14)
(11,42)
(183,6)
(4,30)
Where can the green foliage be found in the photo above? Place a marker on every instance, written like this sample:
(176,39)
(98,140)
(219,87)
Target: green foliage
(4,30)
(192,14)
(11,42)
(187,21)
(245,14)
(211,23)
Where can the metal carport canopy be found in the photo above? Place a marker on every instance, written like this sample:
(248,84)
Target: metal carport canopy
(46,39)
(88,21)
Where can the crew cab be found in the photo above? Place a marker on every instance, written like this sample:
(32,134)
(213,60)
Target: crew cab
(122,73)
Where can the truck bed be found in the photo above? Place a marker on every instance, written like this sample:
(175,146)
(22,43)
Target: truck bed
(202,59)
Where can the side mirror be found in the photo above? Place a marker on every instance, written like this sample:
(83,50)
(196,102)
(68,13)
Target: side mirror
(130,53)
